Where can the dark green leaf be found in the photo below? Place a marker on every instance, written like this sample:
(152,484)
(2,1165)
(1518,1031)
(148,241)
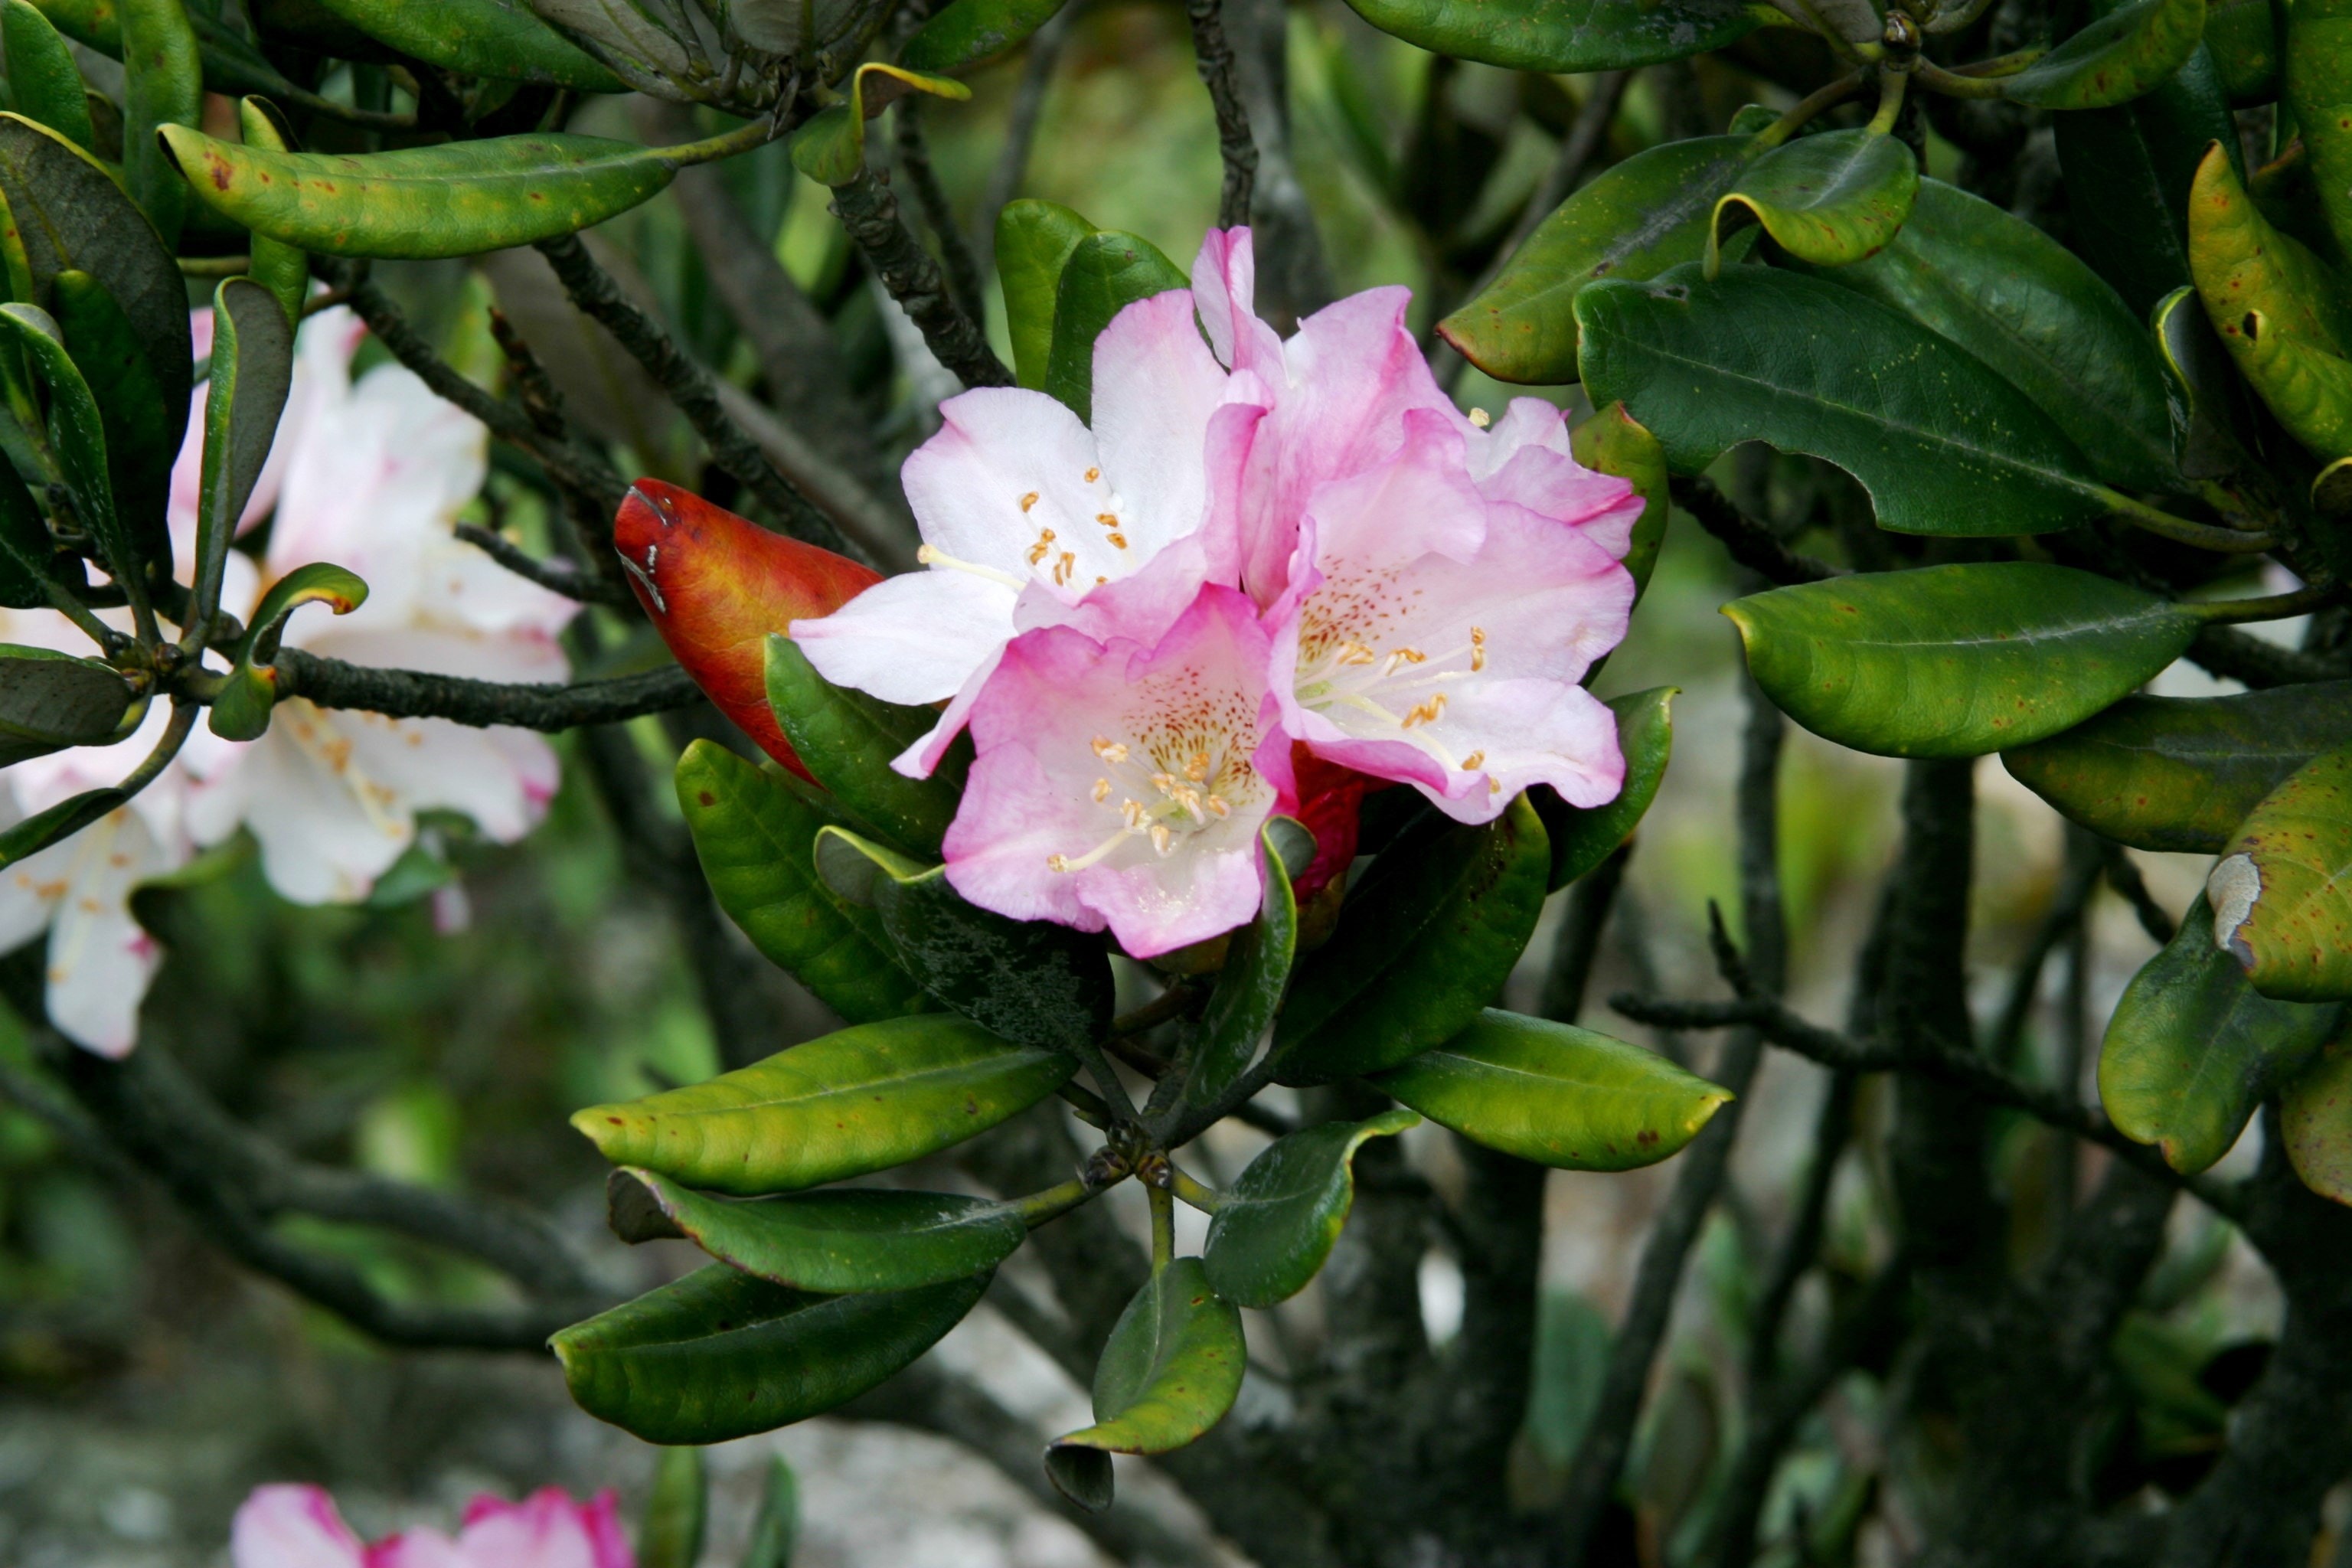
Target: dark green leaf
(776,1531)
(2180,774)
(241,710)
(1422,945)
(58,822)
(2243,35)
(164,84)
(843,1240)
(1555,1094)
(1270,1236)
(1583,836)
(1105,273)
(1034,242)
(77,432)
(2205,393)
(1032,982)
(671,1536)
(848,1104)
(972,31)
(2192,1048)
(2316,1120)
(721,1354)
(1170,1371)
(252,369)
(2282,890)
(830,147)
(51,701)
(1830,199)
(139,449)
(1566,35)
(846,739)
(67,214)
(1945,448)
(1637,219)
(43,80)
(2022,303)
(1614,442)
(2115,59)
(755,833)
(27,554)
(1242,1010)
(479,37)
(1956,661)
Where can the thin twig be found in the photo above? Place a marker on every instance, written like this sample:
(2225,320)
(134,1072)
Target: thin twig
(1212,55)
(415,694)
(869,213)
(555,576)
(955,254)
(2079,881)
(2257,662)
(1750,541)
(2123,876)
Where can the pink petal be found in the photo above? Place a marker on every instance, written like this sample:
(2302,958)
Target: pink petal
(1155,387)
(291,1527)
(1006,466)
(1525,461)
(1224,291)
(916,638)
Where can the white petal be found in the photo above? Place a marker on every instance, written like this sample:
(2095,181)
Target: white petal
(917,638)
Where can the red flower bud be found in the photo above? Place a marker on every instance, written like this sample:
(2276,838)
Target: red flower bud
(715,585)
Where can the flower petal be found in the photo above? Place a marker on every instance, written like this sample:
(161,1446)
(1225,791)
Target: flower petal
(1006,466)
(1155,387)
(291,1527)
(916,638)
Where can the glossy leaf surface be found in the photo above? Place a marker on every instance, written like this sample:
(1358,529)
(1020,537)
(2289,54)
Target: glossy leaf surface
(845,740)
(1614,442)
(2243,265)
(1423,943)
(415,203)
(1034,242)
(164,84)
(27,555)
(2192,1049)
(43,80)
(1956,661)
(1566,35)
(1170,1371)
(2022,303)
(1106,272)
(719,1354)
(284,270)
(843,1240)
(77,432)
(2282,891)
(2318,94)
(2205,391)
(2114,60)
(51,701)
(1583,836)
(479,37)
(252,370)
(848,1104)
(1946,447)
(755,834)
(1634,220)
(2180,774)
(2309,389)
(1283,1215)
(972,31)
(2316,1120)
(1830,199)
(58,822)
(1242,1010)
(105,349)
(1555,1094)
(2243,35)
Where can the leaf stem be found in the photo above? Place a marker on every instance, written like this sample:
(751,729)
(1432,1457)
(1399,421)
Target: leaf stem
(2270,607)
(1807,109)
(1891,84)
(1935,78)
(1056,1201)
(1163,1228)
(1999,65)
(2181,530)
(1196,1193)
(742,139)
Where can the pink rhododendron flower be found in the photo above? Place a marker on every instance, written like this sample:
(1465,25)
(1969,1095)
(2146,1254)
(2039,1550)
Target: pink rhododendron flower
(299,1527)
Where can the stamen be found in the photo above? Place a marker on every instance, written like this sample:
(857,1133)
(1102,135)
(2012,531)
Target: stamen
(1093,474)
(1470,764)
(1196,766)
(1028,501)
(1162,839)
(1217,806)
(1118,541)
(930,556)
(1426,713)
(1110,751)
(1108,518)
(1102,791)
(1164,783)
(1044,547)
(1477,649)
(1356,653)
(1063,864)
(1131,813)
(1481,418)
(1403,655)
(1063,567)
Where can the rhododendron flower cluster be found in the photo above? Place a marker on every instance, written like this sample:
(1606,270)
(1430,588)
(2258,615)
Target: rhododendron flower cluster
(1271,576)
(301,1527)
(370,474)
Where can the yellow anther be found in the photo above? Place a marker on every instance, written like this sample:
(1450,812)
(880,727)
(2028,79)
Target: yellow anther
(1470,764)
(1481,418)
(1028,501)
(1196,766)
(1102,791)
(1427,713)
(1162,840)
(1217,806)
(1110,750)
(1118,541)
(1164,783)
(1131,812)
(1093,474)
(1059,863)
(1357,653)
(1063,567)
(1108,518)
(1477,649)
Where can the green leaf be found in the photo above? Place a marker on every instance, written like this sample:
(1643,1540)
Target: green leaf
(44,83)
(2140,158)
(1555,1094)
(252,370)
(1830,199)
(1033,982)
(2309,389)
(2192,1048)
(1956,661)
(249,694)
(2179,773)
(776,1530)
(1583,836)
(51,701)
(846,739)
(1269,1239)
(1945,448)
(1422,945)
(479,37)
(1566,35)
(2115,59)
(1614,442)
(2318,94)
(755,833)
(721,1354)
(1635,220)
(2022,303)
(68,215)
(830,147)
(843,1240)
(2282,890)
(1105,273)
(1248,998)
(2243,265)
(1034,242)
(1170,1371)
(77,432)
(848,1104)
(671,1535)
(2316,1122)
(164,84)
(972,31)
(27,554)
(58,822)
(2243,35)
(457,198)
(2204,394)
(139,449)
(283,270)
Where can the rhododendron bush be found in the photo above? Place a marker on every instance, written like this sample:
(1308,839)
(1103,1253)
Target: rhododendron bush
(1016,650)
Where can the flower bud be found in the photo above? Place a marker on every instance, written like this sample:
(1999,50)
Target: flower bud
(715,585)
